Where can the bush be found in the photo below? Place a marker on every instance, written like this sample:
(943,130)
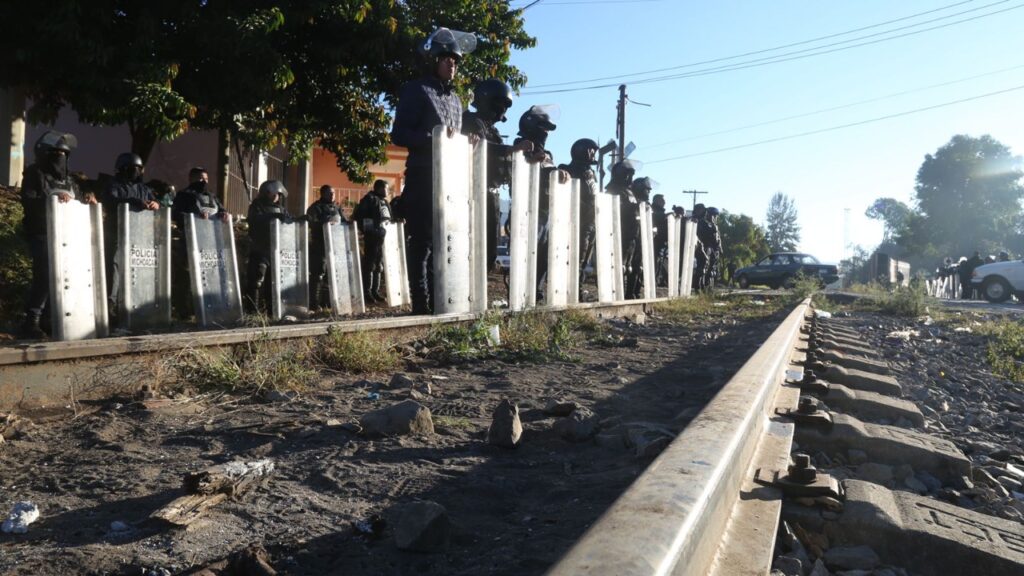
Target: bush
(534,336)
(15,263)
(355,352)
(1006,350)
(256,367)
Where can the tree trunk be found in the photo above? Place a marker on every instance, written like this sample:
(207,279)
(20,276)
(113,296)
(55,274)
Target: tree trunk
(143,140)
(223,174)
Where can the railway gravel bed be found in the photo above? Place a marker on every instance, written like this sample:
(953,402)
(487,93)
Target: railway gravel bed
(341,502)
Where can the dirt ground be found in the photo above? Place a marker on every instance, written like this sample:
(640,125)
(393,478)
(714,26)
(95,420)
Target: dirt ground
(331,505)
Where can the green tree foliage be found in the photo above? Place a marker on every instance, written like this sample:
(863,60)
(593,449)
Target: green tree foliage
(743,240)
(895,216)
(289,72)
(968,197)
(782,229)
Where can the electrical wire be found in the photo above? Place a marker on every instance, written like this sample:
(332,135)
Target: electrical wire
(796,55)
(772,49)
(833,108)
(839,127)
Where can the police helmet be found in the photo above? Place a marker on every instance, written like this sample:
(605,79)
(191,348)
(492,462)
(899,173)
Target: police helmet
(53,140)
(579,150)
(273,187)
(443,42)
(623,170)
(659,200)
(712,211)
(699,210)
(126,160)
(538,119)
(492,94)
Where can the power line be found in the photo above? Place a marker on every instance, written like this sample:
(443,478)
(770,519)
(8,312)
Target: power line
(762,51)
(839,127)
(833,108)
(800,54)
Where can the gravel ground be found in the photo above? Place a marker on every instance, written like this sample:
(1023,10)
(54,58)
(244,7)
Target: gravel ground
(336,499)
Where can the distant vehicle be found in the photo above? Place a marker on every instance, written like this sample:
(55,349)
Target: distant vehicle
(503,261)
(781,268)
(999,280)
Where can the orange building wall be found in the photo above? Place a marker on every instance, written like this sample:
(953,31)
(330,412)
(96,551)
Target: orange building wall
(347,193)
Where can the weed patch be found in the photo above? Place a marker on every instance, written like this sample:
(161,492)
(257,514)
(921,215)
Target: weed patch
(355,352)
(704,305)
(1006,349)
(533,336)
(256,367)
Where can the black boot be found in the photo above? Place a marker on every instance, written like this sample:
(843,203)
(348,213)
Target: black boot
(31,329)
(375,280)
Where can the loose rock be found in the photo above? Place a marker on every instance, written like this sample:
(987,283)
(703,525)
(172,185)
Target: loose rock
(22,514)
(875,472)
(423,527)
(579,426)
(852,558)
(506,428)
(558,407)
(406,417)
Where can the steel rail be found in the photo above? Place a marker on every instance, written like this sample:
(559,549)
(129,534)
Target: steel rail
(685,514)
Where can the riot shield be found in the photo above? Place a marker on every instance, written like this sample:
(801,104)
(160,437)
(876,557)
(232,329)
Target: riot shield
(607,247)
(289,269)
(525,192)
(563,240)
(674,248)
(396,270)
(460,200)
(346,281)
(647,250)
(574,246)
(78,288)
(213,270)
(144,257)
(689,234)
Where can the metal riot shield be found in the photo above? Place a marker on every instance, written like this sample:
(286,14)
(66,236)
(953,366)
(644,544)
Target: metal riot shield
(689,233)
(144,257)
(574,250)
(346,281)
(396,270)
(78,287)
(647,250)
(213,270)
(674,248)
(460,201)
(607,247)
(289,269)
(563,240)
(525,192)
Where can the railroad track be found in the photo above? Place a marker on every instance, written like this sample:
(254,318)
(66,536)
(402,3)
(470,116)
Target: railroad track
(726,496)
(713,501)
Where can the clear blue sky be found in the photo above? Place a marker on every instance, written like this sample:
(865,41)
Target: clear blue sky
(824,173)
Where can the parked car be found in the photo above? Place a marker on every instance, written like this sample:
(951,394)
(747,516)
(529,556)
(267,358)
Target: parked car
(781,268)
(999,280)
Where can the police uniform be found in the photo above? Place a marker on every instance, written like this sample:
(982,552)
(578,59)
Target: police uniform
(319,213)
(371,214)
(196,199)
(262,213)
(136,195)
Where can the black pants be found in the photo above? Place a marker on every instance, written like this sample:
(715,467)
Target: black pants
(700,266)
(632,258)
(257,290)
(493,227)
(39,290)
(318,269)
(587,236)
(418,206)
(181,281)
(373,260)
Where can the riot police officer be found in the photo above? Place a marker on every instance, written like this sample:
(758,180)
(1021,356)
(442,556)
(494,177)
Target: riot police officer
(424,104)
(267,207)
(491,99)
(711,239)
(372,213)
(46,176)
(659,220)
(583,156)
(638,193)
(700,255)
(323,211)
(125,188)
(534,126)
(197,199)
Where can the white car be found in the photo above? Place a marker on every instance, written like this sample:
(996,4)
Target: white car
(999,280)
(503,261)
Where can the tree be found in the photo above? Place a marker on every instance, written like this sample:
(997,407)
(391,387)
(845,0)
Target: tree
(895,216)
(968,196)
(782,230)
(743,240)
(288,73)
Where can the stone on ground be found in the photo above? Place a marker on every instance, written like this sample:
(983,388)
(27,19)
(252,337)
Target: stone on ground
(506,428)
(851,558)
(559,407)
(579,426)
(423,527)
(406,417)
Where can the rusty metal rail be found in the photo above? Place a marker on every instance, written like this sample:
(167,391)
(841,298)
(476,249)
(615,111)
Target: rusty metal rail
(696,509)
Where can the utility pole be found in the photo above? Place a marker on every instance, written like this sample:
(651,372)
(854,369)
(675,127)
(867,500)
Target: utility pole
(620,125)
(695,192)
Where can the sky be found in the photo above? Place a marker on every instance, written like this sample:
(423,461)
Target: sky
(974,53)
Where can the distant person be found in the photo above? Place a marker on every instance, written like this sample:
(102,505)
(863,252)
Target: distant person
(267,207)
(583,155)
(47,176)
(1004,256)
(966,269)
(371,215)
